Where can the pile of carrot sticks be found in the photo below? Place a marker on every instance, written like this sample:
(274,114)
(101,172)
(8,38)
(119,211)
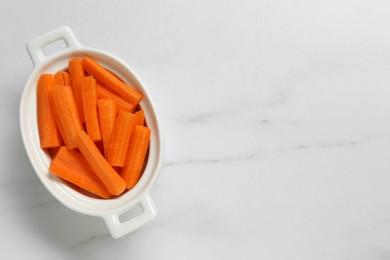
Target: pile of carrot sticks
(91,124)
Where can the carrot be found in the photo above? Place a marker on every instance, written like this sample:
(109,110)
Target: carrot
(71,166)
(108,176)
(88,91)
(62,78)
(115,141)
(140,114)
(65,113)
(49,135)
(132,170)
(107,115)
(77,75)
(120,138)
(121,104)
(111,81)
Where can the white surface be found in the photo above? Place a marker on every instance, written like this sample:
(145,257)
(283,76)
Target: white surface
(276,118)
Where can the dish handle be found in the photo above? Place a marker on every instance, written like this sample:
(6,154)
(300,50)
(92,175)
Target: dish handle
(35,46)
(119,229)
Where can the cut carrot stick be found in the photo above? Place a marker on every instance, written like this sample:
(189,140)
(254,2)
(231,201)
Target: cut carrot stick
(71,166)
(140,116)
(111,81)
(62,78)
(132,170)
(49,135)
(120,138)
(121,104)
(108,176)
(65,114)
(107,115)
(76,72)
(88,91)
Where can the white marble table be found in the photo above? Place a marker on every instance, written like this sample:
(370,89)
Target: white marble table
(277,129)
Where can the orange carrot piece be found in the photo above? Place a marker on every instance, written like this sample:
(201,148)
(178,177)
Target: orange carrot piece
(111,81)
(108,176)
(121,104)
(107,116)
(88,91)
(132,170)
(71,166)
(65,114)
(140,114)
(49,135)
(76,72)
(120,138)
(62,78)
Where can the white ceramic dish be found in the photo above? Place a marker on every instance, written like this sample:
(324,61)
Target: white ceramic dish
(109,210)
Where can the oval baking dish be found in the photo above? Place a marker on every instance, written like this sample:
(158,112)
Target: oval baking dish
(110,210)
